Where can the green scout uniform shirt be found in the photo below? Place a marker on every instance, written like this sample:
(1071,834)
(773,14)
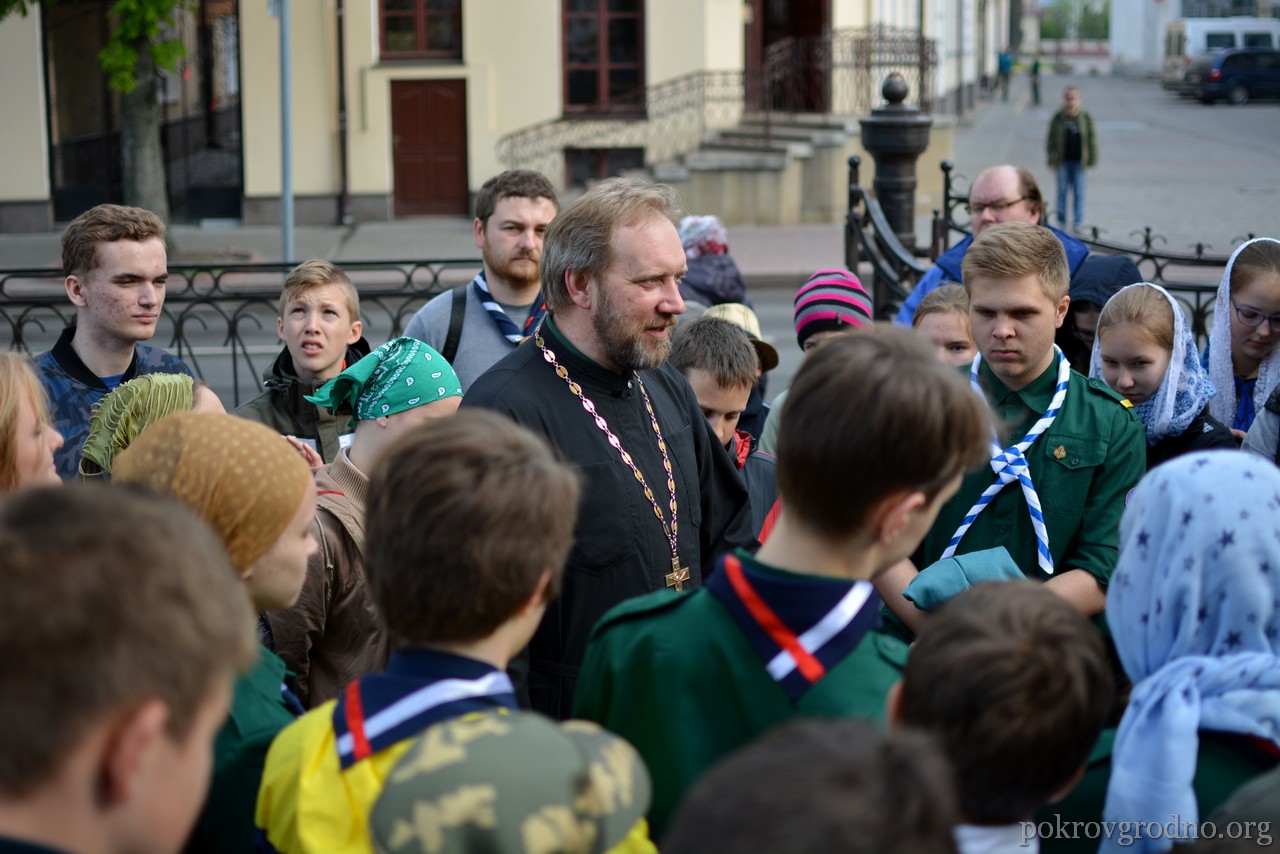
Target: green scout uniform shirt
(1083,468)
(1224,763)
(673,674)
(258,712)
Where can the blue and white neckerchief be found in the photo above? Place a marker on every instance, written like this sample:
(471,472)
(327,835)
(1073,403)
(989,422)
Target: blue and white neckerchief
(799,627)
(505,324)
(377,711)
(1010,464)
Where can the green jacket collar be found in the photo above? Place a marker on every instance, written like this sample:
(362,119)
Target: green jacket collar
(1036,395)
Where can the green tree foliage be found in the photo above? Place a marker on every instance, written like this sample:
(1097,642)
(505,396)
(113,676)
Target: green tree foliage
(1076,19)
(137,26)
(142,40)
(1095,20)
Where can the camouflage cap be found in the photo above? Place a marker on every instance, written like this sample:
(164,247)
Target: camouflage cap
(511,782)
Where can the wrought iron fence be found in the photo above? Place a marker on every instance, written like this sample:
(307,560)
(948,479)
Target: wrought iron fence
(1191,276)
(839,73)
(666,119)
(221,319)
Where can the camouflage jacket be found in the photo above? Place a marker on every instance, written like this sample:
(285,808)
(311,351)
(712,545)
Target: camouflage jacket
(73,389)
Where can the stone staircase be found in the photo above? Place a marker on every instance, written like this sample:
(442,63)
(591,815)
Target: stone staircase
(791,171)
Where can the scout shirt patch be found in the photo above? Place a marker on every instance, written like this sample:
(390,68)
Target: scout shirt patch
(801,627)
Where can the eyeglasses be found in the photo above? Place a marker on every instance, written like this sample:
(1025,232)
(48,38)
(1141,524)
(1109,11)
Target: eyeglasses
(997,208)
(1251,317)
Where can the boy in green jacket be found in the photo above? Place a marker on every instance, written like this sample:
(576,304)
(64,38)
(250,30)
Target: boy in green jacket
(877,434)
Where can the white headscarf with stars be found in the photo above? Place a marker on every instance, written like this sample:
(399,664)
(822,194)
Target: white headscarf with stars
(1194,607)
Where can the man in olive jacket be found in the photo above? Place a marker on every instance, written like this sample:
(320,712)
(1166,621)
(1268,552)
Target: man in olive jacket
(1072,147)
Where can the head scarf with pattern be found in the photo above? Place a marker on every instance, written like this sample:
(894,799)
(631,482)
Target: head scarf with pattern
(703,235)
(402,374)
(1194,608)
(1185,389)
(124,413)
(244,479)
(1221,370)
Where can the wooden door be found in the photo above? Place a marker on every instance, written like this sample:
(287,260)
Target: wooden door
(429,146)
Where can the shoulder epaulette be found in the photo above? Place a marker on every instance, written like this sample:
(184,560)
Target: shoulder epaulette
(1099,387)
(641,606)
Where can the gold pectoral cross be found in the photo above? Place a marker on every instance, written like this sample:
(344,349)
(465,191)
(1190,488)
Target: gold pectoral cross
(678,574)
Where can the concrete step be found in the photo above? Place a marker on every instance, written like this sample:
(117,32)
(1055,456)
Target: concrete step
(802,121)
(759,145)
(760,134)
(719,159)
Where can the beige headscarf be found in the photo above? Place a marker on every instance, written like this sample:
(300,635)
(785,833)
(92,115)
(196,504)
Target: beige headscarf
(124,413)
(243,478)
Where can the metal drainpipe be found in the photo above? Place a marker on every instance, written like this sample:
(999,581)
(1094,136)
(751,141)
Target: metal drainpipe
(344,191)
(960,59)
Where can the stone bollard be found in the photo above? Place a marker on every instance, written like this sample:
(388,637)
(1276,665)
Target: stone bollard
(895,136)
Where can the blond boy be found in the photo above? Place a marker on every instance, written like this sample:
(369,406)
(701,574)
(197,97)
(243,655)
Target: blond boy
(319,323)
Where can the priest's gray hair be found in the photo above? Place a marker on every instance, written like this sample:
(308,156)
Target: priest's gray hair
(580,239)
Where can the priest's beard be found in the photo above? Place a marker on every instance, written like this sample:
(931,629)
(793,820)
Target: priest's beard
(625,343)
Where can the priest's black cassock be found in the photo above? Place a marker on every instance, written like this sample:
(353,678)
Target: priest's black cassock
(620,549)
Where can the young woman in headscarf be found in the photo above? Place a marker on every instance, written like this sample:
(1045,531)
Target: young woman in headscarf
(1246,326)
(333,633)
(713,275)
(1143,349)
(28,439)
(259,496)
(1194,610)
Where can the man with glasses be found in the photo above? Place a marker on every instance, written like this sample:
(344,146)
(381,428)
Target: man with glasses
(999,194)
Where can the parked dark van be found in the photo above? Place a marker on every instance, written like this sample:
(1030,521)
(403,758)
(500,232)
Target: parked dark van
(1238,75)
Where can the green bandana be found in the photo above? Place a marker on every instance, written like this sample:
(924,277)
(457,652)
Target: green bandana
(402,374)
(122,414)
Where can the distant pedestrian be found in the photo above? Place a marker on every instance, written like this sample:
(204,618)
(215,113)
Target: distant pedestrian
(1034,75)
(1004,65)
(1072,147)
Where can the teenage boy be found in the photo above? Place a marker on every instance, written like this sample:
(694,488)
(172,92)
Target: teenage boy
(818,786)
(116,269)
(320,326)
(722,366)
(1070,449)
(1015,686)
(457,601)
(878,435)
(477,324)
(111,707)
(332,634)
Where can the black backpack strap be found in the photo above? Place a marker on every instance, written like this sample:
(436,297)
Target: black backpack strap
(457,311)
(1273,401)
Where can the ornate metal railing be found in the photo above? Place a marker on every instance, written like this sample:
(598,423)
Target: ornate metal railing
(221,319)
(1191,276)
(666,119)
(839,73)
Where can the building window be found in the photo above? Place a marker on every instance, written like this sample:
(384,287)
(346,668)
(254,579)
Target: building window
(425,29)
(585,165)
(604,56)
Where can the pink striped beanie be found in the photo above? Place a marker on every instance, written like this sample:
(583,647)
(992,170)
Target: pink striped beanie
(831,299)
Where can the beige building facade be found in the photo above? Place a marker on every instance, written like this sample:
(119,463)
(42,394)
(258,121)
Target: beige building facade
(404,108)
